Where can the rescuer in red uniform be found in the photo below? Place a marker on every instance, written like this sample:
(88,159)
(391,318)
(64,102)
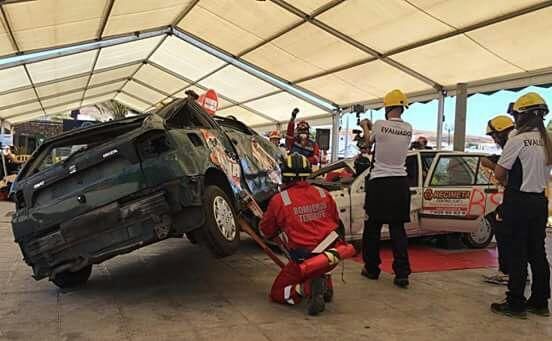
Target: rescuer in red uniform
(305,218)
(298,141)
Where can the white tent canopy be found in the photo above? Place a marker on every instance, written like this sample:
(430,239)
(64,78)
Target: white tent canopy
(264,57)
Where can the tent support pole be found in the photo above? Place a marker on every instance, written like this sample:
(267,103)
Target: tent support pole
(3,159)
(460,117)
(440,118)
(336,118)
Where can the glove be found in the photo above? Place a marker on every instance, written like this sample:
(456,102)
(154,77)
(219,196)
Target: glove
(333,256)
(294,113)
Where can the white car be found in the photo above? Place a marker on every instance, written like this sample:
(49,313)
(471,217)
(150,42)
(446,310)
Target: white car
(450,193)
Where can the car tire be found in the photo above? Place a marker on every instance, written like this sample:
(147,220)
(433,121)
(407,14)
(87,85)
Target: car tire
(481,238)
(221,229)
(73,279)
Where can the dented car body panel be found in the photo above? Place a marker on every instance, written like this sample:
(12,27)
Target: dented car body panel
(131,182)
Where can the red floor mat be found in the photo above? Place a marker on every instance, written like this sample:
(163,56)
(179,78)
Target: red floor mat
(427,259)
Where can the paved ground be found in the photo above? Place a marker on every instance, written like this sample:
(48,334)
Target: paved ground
(176,291)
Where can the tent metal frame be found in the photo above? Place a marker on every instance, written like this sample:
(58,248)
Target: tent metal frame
(290,86)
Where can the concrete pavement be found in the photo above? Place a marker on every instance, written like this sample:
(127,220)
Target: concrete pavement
(176,291)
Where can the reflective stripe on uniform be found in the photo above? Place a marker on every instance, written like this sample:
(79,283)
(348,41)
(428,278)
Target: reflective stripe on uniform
(285,198)
(287,294)
(321,191)
(284,238)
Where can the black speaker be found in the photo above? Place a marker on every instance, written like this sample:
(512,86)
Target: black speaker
(323,138)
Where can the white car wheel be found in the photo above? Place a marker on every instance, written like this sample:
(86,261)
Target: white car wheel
(481,238)
(225,218)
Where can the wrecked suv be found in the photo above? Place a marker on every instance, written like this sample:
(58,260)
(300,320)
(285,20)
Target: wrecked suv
(93,193)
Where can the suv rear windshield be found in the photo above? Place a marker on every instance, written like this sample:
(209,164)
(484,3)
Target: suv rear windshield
(65,148)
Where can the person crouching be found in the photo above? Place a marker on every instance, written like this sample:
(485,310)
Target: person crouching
(305,219)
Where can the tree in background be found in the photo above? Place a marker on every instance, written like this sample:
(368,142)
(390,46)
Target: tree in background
(549,126)
(112,108)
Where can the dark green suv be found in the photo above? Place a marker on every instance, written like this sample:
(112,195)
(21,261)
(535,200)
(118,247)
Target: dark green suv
(93,193)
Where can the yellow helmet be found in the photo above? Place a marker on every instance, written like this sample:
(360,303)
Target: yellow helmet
(527,103)
(499,124)
(295,166)
(395,98)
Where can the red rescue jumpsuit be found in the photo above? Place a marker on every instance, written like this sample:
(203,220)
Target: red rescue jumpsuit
(306,214)
(310,149)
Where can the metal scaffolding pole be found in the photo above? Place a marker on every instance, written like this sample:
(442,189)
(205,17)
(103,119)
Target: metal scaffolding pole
(336,119)
(440,118)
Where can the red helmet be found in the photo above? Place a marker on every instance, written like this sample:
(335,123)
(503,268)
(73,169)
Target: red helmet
(422,137)
(275,134)
(303,125)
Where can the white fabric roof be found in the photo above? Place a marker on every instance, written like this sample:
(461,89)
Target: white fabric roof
(264,57)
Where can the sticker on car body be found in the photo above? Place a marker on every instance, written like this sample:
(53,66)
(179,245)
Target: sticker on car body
(220,158)
(446,202)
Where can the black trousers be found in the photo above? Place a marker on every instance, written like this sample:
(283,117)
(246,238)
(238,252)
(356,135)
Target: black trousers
(371,239)
(503,235)
(526,215)
(504,246)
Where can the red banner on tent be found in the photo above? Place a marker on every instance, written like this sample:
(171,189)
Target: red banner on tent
(209,101)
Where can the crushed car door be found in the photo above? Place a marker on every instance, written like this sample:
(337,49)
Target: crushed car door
(453,200)
(203,141)
(188,152)
(259,160)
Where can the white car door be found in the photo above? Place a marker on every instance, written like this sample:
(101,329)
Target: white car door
(358,214)
(454,196)
(343,203)
(414,170)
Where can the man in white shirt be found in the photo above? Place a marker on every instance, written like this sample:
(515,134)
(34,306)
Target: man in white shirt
(387,191)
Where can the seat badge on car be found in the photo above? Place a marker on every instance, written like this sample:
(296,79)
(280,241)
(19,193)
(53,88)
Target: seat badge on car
(72,169)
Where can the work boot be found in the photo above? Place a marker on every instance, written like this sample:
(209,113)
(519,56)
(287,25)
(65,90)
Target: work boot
(498,278)
(505,309)
(401,282)
(369,275)
(316,303)
(540,310)
(328,295)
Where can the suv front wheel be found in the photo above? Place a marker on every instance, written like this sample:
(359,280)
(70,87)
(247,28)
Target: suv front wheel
(221,231)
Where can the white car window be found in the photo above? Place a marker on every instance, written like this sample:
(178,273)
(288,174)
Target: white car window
(455,171)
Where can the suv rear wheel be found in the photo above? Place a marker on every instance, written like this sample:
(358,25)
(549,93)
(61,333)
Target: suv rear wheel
(72,279)
(221,230)
(481,238)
